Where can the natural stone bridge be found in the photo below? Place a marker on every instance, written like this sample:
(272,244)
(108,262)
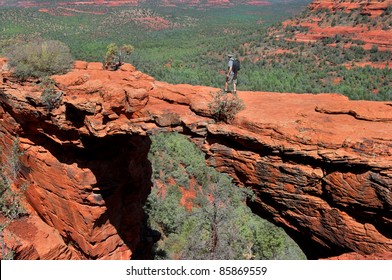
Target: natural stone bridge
(320,165)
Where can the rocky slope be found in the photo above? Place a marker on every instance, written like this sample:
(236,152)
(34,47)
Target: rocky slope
(320,165)
(365,22)
(371,7)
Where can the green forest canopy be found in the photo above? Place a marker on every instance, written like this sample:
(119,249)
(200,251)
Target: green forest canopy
(188,45)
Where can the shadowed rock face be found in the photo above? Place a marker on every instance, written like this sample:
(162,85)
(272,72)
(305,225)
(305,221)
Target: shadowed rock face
(320,165)
(83,186)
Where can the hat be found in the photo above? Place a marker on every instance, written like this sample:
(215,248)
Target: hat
(230,55)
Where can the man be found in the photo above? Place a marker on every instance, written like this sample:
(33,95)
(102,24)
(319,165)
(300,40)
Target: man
(231,76)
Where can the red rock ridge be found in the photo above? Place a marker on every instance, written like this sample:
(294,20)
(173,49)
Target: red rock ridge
(320,165)
(378,35)
(370,7)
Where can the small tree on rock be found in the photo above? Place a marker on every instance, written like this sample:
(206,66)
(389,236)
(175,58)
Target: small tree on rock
(115,55)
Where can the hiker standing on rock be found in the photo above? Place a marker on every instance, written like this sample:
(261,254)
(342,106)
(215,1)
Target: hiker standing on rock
(232,70)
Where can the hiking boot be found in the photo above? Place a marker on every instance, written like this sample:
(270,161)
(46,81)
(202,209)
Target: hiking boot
(225,90)
(235,92)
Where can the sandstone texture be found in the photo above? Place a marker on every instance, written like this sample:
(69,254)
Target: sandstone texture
(320,165)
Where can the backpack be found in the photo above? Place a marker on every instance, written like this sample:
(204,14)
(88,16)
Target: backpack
(236,65)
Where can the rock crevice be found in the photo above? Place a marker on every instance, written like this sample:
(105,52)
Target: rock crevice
(316,170)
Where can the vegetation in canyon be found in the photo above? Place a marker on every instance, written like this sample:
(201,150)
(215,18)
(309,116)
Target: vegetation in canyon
(201,214)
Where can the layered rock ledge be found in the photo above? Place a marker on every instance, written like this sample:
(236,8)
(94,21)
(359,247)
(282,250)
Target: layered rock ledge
(320,165)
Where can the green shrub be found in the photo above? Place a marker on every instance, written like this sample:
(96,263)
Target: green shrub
(50,98)
(39,58)
(10,205)
(10,200)
(224,107)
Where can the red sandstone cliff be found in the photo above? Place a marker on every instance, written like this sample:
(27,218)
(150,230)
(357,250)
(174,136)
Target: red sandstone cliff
(320,164)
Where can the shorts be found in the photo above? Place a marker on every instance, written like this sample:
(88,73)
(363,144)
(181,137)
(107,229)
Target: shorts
(232,78)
